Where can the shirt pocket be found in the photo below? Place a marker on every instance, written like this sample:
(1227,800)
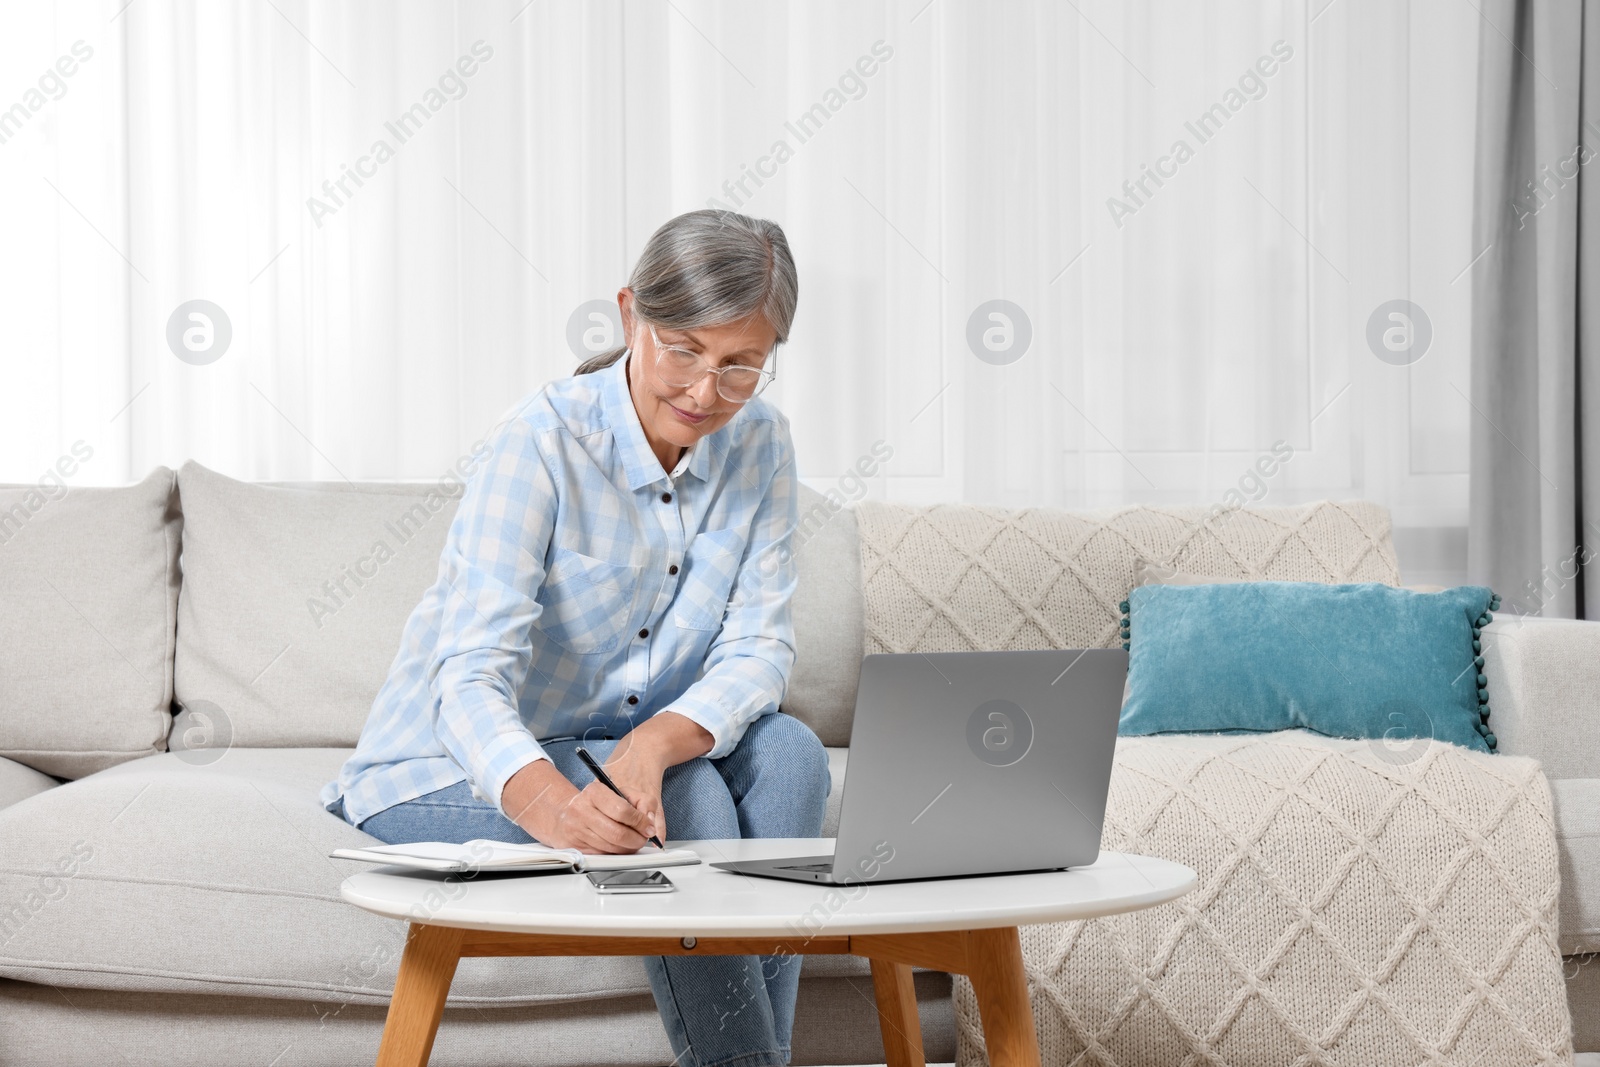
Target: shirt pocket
(712,563)
(586,601)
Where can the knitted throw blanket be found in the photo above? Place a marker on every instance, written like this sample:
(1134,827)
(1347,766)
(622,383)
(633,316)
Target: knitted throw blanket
(1357,906)
(962,577)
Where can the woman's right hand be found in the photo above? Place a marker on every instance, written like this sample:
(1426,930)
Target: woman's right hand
(557,813)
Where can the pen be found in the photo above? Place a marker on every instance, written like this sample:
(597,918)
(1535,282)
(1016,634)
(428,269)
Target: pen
(605,779)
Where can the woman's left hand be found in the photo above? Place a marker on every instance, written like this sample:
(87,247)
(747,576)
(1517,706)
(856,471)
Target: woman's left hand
(643,755)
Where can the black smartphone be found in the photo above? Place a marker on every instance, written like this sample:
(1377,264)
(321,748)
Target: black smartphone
(630,882)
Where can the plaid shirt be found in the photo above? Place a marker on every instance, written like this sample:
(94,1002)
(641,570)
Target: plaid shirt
(582,589)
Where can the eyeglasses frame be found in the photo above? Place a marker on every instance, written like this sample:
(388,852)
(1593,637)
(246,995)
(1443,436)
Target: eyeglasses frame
(767,376)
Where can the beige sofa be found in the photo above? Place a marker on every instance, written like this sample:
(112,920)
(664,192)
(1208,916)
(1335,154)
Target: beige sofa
(172,902)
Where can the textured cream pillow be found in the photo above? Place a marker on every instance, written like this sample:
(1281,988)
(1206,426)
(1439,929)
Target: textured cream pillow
(90,588)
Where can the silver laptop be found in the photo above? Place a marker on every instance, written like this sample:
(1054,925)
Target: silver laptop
(967,763)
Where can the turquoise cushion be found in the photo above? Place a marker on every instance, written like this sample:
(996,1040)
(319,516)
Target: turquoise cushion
(1364,660)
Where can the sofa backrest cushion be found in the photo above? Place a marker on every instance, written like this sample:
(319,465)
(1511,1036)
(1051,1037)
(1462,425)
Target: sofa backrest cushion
(827,618)
(89,582)
(289,622)
(294,597)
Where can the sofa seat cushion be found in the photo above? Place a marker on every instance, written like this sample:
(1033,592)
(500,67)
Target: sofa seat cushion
(162,875)
(18,783)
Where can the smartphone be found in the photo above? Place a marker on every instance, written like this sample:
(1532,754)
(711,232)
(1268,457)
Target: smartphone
(630,882)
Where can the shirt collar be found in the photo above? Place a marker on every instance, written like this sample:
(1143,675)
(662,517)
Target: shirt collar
(639,463)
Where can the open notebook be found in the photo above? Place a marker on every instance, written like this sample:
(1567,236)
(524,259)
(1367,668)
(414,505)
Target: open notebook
(481,855)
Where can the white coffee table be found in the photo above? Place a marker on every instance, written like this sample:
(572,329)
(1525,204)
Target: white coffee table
(962,925)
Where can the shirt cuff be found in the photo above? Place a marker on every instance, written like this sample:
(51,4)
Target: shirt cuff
(501,758)
(719,722)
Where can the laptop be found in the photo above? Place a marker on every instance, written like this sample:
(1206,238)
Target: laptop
(967,763)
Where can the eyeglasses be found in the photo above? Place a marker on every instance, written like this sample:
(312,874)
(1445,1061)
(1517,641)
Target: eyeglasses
(681,368)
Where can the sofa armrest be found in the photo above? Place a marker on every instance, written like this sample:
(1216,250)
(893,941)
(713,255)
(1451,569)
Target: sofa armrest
(1544,691)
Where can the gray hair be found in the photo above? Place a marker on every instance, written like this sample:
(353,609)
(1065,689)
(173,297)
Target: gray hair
(709,267)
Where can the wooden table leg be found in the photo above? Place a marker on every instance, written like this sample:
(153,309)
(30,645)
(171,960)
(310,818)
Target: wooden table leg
(1001,985)
(426,970)
(897,1014)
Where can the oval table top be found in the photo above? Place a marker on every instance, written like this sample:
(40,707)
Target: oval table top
(716,903)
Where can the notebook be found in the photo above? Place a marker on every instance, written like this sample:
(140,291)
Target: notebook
(482,855)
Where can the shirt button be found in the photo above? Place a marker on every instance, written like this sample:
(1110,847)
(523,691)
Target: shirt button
(645,632)
(666,498)
(633,699)
(672,569)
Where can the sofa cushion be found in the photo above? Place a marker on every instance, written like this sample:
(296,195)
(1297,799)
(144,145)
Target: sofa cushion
(18,783)
(269,656)
(254,558)
(90,580)
(294,599)
(169,876)
(827,619)
(164,875)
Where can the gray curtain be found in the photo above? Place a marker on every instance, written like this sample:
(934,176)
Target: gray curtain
(1534,511)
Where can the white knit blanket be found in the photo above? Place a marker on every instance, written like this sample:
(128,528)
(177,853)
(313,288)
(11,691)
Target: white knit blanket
(959,577)
(1357,904)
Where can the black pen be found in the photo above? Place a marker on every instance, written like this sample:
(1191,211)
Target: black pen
(605,779)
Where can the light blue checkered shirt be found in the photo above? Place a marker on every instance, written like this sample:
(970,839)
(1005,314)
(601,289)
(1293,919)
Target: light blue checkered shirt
(582,589)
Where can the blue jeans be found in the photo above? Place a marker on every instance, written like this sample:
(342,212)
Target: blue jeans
(736,1011)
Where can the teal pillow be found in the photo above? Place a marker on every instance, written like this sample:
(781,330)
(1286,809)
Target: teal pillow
(1365,660)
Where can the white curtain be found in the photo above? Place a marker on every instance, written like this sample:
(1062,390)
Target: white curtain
(936,156)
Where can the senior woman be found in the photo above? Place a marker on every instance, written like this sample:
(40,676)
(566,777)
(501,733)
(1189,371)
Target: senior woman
(618,574)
